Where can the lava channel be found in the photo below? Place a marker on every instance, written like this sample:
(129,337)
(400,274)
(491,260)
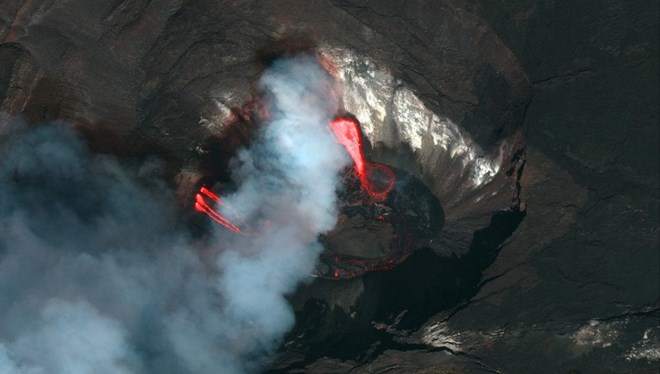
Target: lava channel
(202,206)
(376,179)
(372,191)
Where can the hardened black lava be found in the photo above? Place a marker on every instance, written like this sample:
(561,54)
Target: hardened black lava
(411,215)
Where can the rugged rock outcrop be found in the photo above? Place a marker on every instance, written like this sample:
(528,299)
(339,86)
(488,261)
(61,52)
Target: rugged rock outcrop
(549,184)
(436,90)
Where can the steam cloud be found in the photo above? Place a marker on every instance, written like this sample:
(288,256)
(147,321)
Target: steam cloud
(98,276)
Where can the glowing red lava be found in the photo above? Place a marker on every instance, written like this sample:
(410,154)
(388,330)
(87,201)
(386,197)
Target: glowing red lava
(376,179)
(202,206)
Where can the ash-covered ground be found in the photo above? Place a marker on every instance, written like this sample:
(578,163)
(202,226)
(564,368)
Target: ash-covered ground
(532,124)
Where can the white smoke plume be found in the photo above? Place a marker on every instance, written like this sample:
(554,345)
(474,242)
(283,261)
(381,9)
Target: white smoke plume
(98,276)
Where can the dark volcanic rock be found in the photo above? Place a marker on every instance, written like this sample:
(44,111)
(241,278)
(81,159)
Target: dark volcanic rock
(576,288)
(160,77)
(377,235)
(548,258)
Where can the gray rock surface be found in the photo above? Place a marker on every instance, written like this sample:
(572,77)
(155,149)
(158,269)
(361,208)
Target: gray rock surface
(562,97)
(576,288)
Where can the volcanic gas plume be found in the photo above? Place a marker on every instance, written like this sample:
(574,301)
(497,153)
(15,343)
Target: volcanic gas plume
(375,179)
(98,276)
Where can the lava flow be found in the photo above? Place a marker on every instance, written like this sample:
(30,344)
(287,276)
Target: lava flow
(370,183)
(202,206)
(376,179)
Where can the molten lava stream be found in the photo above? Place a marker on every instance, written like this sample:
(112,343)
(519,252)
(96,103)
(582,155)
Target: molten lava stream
(376,179)
(220,202)
(203,207)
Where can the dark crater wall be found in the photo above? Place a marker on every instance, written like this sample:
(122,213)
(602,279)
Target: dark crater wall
(550,267)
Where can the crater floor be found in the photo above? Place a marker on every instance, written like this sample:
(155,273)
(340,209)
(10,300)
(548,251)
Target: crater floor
(534,125)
